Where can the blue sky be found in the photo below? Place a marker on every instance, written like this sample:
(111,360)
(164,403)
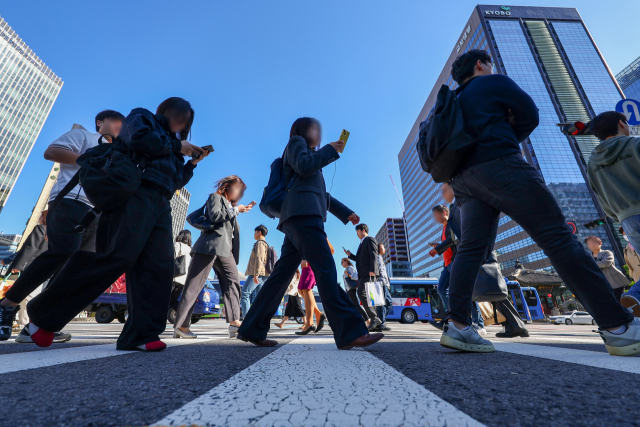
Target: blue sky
(250,68)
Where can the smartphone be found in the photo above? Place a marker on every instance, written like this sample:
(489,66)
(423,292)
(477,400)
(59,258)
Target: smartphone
(252,204)
(209,148)
(344,136)
(434,243)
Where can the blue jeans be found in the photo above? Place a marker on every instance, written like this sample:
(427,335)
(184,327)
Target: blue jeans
(476,317)
(443,287)
(247,290)
(631,228)
(384,310)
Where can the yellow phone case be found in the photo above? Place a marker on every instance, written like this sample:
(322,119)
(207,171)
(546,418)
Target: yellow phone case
(344,136)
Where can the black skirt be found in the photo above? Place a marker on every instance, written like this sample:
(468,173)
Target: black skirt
(294,307)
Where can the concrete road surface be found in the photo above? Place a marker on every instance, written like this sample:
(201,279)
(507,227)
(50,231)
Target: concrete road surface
(560,376)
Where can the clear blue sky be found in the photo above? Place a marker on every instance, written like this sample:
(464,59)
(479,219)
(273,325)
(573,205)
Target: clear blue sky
(250,68)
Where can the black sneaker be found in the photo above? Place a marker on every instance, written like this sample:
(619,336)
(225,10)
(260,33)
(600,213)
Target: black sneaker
(384,327)
(7,316)
(25,338)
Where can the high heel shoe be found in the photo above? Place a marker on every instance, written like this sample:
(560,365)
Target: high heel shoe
(306,331)
(177,333)
(233,331)
(321,321)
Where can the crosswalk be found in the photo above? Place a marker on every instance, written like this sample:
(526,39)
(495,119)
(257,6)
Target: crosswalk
(308,382)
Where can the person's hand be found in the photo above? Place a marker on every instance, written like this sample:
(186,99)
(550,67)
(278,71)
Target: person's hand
(1,262)
(246,208)
(188,149)
(354,218)
(205,153)
(338,145)
(433,253)
(347,252)
(255,279)
(511,118)
(15,270)
(371,273)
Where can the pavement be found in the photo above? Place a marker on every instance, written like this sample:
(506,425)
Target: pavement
(560,376)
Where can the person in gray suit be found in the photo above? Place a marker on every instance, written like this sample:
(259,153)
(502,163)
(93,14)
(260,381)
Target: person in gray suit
(218,248)
(302,218)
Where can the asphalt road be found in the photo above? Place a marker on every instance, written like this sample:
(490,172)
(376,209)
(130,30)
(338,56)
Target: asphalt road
(560,376)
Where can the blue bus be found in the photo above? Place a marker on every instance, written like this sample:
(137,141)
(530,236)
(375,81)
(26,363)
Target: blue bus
(415,299)
(533,301)
(526,301)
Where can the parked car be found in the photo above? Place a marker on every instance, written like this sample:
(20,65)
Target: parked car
(577,317)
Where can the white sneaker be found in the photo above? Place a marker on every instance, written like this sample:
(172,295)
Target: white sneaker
(625,344)
(464,340)
(480,330)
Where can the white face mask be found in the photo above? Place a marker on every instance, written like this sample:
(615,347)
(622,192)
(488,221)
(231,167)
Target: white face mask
(625,237)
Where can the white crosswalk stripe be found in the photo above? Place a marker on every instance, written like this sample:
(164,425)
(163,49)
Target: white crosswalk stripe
(309,382)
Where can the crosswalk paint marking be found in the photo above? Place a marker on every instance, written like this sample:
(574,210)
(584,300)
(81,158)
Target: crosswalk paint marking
(309,382)
(596,359)
(13,362)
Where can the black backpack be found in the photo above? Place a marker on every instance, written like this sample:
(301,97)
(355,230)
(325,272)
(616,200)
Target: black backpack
(276,190)
(109,174)
(443,145)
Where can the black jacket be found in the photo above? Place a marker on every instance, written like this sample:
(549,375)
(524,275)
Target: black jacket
(366,258)
(485,101)
(35,244)
(308,195)
(147,134)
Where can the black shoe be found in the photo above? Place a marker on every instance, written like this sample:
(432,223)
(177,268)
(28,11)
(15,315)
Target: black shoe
(378,329)
(384,327)
(7,316)
(374,324)
(437,325)
(512,334)
(306,331)
(321,321)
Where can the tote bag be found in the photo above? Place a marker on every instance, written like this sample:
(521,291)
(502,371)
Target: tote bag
(375,292)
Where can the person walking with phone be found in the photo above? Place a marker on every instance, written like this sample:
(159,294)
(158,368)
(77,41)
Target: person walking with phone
(302,218)
(256,268)
(135,238)
(366,259)
(218,247)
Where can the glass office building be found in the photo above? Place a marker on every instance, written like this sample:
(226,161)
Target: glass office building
(28,89)
(179,210)
(550,53)
(629,80)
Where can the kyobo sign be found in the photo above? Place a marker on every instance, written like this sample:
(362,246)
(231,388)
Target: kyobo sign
(504,11)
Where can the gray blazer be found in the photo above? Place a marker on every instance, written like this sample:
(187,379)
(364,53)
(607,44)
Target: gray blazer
(224,238)
(308,195)
(614,276)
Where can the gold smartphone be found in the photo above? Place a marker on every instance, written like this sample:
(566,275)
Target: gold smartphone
(344,136)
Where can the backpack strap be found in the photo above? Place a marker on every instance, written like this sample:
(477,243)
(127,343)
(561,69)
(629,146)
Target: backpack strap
(75,180)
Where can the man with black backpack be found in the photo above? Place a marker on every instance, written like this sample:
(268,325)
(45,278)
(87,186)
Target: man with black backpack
(64,215)
(260,265)
(494,177)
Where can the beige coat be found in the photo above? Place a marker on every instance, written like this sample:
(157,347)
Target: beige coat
(258,260)
(615,277)
(632,259)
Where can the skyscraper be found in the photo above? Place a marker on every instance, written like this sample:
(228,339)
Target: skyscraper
(179,210)
(629,80)
(393,236)
(28,89)
(550,53)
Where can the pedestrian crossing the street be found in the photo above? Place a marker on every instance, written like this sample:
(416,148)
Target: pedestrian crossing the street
(306,381)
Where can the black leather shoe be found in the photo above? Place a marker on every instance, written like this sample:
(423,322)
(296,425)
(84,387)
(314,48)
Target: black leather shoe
(374,324)
(437,325)
(306,331)
(321,321)
(363,341)
(259,343)
(384,327)
(512,334)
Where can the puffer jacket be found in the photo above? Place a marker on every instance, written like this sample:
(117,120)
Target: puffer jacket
(146,133)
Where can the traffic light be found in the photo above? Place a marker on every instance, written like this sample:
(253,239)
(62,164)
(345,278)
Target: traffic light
(575,128)
(596,223)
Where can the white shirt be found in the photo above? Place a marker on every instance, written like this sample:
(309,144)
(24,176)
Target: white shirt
(77,141)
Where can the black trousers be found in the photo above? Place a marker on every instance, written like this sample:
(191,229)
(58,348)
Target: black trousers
(510,185)
(369,310)
(305,238)
(617,293)
(136,239)
(353,296)
(63,241)
(514,322)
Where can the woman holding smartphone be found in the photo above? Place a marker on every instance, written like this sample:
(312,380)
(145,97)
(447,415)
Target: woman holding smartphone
(218,248)
(302,218)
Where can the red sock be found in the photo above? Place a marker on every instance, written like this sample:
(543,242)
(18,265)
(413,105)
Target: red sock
(152,346)
(40,337)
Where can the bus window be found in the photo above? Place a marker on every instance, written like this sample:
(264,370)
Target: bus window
(530,296)
(404,291)
(424,295)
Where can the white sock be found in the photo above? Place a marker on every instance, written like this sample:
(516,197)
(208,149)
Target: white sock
(621,330)
(463,329)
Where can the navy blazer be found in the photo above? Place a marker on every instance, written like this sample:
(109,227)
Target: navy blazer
(308,194)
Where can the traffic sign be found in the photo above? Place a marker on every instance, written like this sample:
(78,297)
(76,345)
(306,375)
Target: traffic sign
(631,109)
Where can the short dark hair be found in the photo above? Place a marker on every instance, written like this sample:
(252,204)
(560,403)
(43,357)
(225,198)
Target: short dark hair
(363,227)
(440,208)
(184,237)
(107,114)
(605,124)
(462,67)
(621,230)
(596,238)
(301,126)
(175,106)
(262,229)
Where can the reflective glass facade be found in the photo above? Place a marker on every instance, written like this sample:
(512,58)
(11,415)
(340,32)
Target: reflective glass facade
(538,48)
(28,89)
(629,80)
(179,210)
